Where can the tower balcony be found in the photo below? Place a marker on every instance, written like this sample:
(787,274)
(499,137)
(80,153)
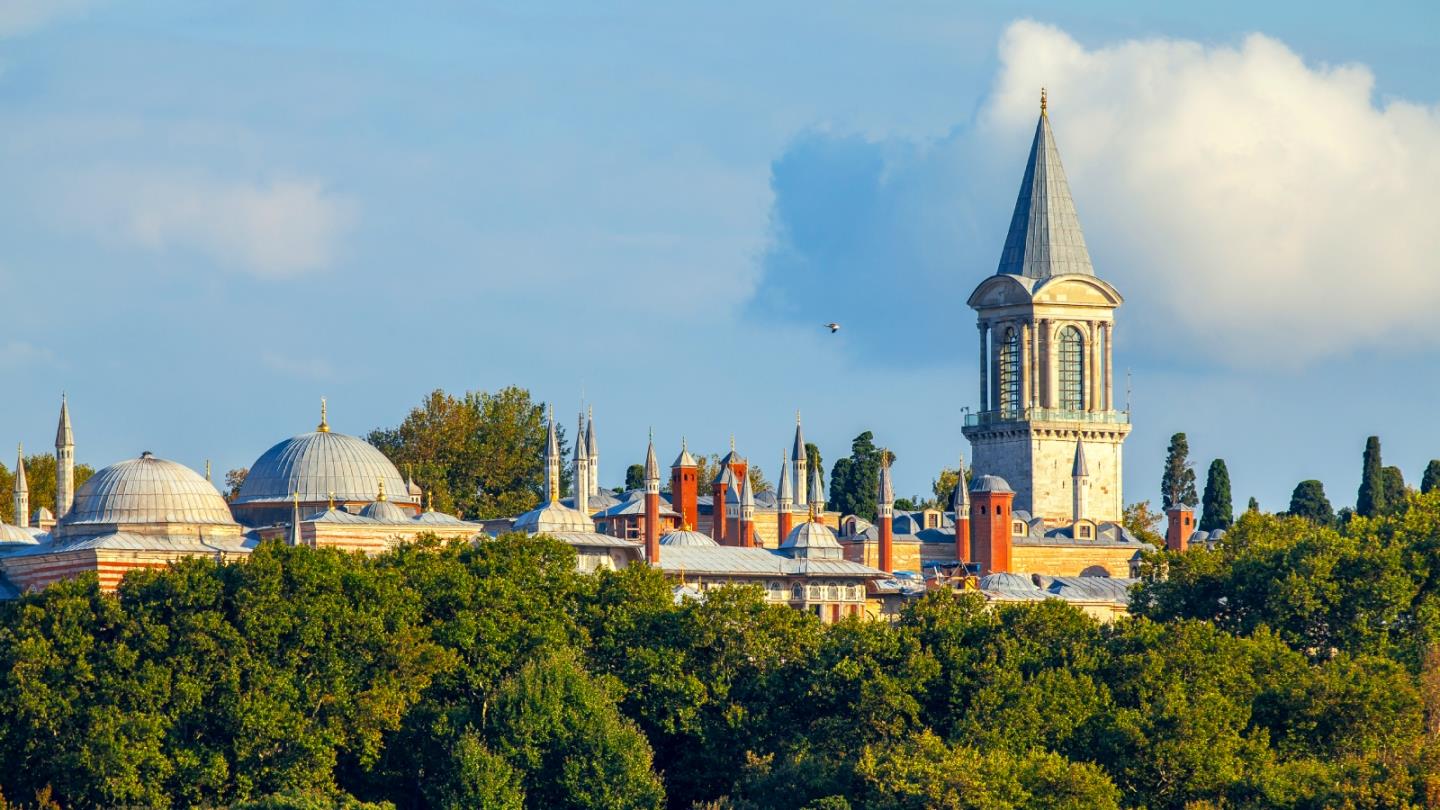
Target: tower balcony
(1004,416)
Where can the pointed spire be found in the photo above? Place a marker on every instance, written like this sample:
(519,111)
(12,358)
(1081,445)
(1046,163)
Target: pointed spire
(552,460)
(324,418)
(747,494)
(1045,238)
(580,444)
(785,492)
(1080,469)
(21,484)
(817,495)
(295,519)
(64,436)
(962,491)
(591,449)
(684,459)
(652,467)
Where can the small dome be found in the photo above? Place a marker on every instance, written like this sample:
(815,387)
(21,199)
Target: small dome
(319,465)
(43,514)
(15,535)
(687,537)
(385,512)
(147,490)
(811,534)
(553,517)
(990,483)
(430,516)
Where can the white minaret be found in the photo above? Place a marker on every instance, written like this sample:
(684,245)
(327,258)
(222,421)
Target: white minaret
(1080,480)
(552,462)
(22,490)
(582,470)
(64,462)
(592,450)
(799,466)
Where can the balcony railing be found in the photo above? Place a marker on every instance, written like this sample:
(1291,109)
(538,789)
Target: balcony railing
(1046,415)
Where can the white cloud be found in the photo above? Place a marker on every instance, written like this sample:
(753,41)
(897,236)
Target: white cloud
(23,16)
(273,228)
(1272,210)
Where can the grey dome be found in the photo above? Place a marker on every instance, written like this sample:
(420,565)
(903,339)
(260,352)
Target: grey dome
(385,512)
(553,517)
(811,534)
(685,537)
(990,483)
(318,465)
(147,490)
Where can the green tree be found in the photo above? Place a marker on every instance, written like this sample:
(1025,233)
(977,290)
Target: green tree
(234,480)
(1177,484)
(814,462)
(1431,479)
(943,487)
(1217,511)
(1308,501)
(40,477)
(1253,505)
(1394,488)
(1371,499)
(635,477)
(855,481)
(1144,523)
(480,453)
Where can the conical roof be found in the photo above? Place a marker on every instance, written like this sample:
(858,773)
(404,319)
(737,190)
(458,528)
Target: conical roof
(652,466)
(1080,468)
(785,492)
(1045,238)
(21,484)
(64,436)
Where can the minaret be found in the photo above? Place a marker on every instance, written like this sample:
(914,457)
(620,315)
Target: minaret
(64,462)
(684,487)
(747,514)
(1080,480)
(552,462)
(962,518)
(295,520)
(22,490)
(582,470)
(817,497)
(800,465)
(652,504)
(885,502)
(592,451)
(784,501)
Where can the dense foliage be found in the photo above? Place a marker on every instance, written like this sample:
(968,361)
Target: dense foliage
(493,675)
(1217,511)
(1370,500)
(40,478)
(855,479)
(1177,482)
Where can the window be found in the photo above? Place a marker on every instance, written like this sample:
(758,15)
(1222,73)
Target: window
(1072,369)
(1010,371)
(832,593)
(1017,528)
(797,592)
(1082,531)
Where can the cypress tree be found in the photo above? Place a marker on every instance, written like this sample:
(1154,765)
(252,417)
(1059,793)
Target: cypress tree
(1394,489)
(1217,512)
(1253,506)
(1371,499)
(1178,482)
(1431,479)
(1308,501)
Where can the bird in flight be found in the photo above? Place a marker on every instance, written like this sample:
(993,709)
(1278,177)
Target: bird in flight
(833,327)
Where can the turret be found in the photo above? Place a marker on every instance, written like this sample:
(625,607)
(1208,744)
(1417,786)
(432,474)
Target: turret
(784,501)
(961,504)
(1080,481)
(747,514)
(64,462)
(582,469)
(684,488)
(800,465)
(885,503)
(22,490)
(652,504)
(817,496)
(1179,525)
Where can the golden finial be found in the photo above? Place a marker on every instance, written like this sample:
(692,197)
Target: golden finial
(1042,101)
(324,420)
(430,500)
(207,469)
(332,500)
(380,496)
(797,417)
(732,442)
(296,497)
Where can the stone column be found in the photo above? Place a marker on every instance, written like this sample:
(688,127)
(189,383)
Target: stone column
(984,376)
(1109,366)
(1052,367)
(1088,361)
(997,345)
(1023,401)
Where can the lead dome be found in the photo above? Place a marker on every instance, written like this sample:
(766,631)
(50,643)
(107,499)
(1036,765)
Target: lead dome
(145,492)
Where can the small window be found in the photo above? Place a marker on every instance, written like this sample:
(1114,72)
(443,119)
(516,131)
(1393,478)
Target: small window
(797,592)
(832,593)
(1083,531)
(1017,528)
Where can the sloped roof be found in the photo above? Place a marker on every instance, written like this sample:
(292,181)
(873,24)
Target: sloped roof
(1045,238)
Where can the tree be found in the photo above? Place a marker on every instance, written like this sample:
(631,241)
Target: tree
(814,462)
(943,487)
(1431,479)
(635,477)
(234,480)
(1308,501)
(1394,489)
(480,453)
(707,467)
(1253,505)
(1177,485)
(40,476)
(1140,520)
(854,481)
(1371,499)
(1217,512)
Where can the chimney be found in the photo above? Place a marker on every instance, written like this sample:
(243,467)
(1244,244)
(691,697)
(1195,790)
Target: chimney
(885,502)
(684,488)
(719,489)
(1180,524)
(990,515)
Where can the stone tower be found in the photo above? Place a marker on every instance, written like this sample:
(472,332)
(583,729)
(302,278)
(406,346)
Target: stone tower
(64,462)
(1046,346)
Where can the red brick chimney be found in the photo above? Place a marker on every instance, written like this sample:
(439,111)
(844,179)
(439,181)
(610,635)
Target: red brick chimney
(990,514)
(684,488)
(1180,524)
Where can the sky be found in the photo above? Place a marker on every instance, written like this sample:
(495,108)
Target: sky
(213,214)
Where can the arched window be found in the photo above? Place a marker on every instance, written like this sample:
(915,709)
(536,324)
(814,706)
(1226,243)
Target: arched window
(797,592)
(1010,371)
(1072,369)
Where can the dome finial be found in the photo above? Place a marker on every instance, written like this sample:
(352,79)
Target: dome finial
(429,500)
(1042,101)
(332,499)
(380,495)
(207,470)
(324,420)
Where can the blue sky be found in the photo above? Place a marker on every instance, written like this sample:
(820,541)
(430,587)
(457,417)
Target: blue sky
(215,213)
